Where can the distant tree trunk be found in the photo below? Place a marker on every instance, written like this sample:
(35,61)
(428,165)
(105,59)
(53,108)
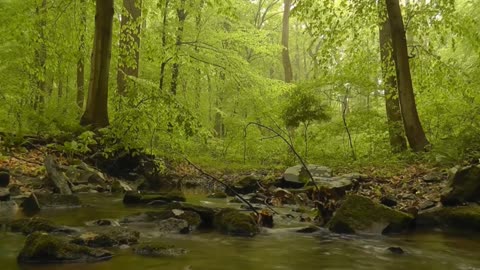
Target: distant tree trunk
(81,56)
(96,112)
(129,55)
(287,65)
(164,43)
(182,15)
(413,128)
(41,57)
(394,115)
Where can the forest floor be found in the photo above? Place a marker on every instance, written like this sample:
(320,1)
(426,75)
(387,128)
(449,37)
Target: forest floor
(411,189)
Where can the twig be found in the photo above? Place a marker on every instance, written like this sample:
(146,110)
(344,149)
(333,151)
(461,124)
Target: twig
(22,159)
(223,184)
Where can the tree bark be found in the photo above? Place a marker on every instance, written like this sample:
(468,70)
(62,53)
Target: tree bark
(81,56)
(41,57)
(96,112)
(182,15)
(164,43)
(287,65)
(413,128)
(392,104)
(129,55)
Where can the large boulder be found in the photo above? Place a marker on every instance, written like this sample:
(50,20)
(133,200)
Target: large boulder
(108,238)
(461,218)
(297,176)
(206,214)
(248,184)
(163,219)
(133,197)
(38,201)
(4,178)
(463,187)
(158,250)
(43,248)
(233,222)
(359,214)
(30,225)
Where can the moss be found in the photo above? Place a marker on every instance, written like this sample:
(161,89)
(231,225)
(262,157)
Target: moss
(108,238)
(462,218)
(233,222)
(192,218)
(44,248)
(217,195)
(360,214)
(464,186)
(206,214)
(30,225)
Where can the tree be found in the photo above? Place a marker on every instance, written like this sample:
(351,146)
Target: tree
(413,128)
(40,55)
(389,81)
(129,55)
(96,112)
(287,65)
(182,15)
(81,56)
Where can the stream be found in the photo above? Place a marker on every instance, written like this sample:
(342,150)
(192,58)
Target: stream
(279,248)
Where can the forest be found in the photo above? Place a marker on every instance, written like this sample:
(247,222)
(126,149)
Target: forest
(239,134)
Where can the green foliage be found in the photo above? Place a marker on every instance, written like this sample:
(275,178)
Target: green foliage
(303,105)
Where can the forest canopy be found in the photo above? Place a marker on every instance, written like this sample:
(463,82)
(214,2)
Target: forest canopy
(347,82)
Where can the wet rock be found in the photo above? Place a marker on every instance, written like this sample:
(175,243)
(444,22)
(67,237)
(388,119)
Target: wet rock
(81,188)
(463,187)
(217,195)
(4,195)
(58,179)
(8,210)
(388,201)
(113,237)
(297,176)
(427,205)
(4,179)
(30,225)
(173,225)
(39,201)
(309,229)
(460,218)
(133,197)
(103,222)
(158,250)
(233,222)
(206,214)
(190,217)
(43,248)
(248,184)
(396,250)
(359,214)
(119,186)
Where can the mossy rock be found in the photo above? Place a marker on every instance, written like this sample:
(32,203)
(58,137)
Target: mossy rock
(464,186)
(206,214)
(461,218)
(108,238)
(39,201)
(158,250)
(248,184)
(359,214)
(30,225)
(193,219)
(133,197)
(43,248)
(233,222)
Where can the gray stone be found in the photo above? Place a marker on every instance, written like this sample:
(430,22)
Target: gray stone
(4,195)
(158,250)
(464,186)
(297,176)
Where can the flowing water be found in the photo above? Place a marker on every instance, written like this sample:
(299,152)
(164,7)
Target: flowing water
(280,248)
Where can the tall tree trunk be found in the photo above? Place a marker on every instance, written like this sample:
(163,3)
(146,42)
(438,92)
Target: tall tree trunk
(287,65)
(81,56)
(182,15)
(129,55)
(96,112)
(413,128)
(392,105)
(41,56)
(164,43)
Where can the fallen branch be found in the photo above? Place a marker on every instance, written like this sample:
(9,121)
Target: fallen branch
(223,184)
